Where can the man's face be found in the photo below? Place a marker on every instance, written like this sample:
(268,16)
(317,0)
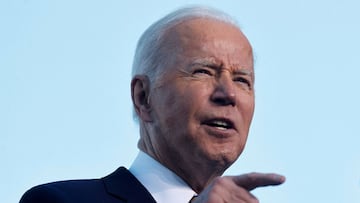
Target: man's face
(203,105)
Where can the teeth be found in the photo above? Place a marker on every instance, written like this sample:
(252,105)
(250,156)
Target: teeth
(221,124)
(221,128)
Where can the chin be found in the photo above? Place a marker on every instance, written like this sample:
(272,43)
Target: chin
(224,159)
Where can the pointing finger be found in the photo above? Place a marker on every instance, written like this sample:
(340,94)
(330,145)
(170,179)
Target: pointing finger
(251,181)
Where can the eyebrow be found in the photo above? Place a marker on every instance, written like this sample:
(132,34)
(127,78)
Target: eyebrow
(205,62)
(211,63)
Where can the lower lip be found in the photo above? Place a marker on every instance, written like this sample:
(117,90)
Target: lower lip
(219,132)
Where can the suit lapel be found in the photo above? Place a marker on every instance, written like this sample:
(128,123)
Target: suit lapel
(125,186)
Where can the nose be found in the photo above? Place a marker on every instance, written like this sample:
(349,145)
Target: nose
(224,92)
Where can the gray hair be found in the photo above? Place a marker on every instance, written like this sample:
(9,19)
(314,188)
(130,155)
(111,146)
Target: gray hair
(149,56)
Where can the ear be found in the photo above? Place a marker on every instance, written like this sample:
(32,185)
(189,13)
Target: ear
(140,92)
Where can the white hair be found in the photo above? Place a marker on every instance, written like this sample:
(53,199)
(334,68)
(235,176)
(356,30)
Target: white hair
(149,56)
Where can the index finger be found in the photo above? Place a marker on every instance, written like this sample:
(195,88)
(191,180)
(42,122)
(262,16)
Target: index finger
(251,181)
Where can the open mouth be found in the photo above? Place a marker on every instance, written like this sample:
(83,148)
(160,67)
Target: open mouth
(221,124)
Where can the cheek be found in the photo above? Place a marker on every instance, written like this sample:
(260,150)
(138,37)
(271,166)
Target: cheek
(250,109)
(198,91)
(172,108)
(185,105)
(247,106)
(192,94)
(177,104)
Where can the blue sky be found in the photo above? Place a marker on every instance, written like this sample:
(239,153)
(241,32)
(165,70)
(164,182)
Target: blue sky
(65,110)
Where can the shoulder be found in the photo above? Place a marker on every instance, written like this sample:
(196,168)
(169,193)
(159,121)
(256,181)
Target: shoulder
(114,187)
(64,191)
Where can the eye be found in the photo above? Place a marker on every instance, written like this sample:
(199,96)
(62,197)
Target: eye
(202,71)
(243,80)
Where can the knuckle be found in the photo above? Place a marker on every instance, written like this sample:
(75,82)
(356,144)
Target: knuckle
(219,184)
(252,176)
(220,181)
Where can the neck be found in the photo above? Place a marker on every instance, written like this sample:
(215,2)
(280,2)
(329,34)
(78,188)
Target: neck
(198,177)
(197,174)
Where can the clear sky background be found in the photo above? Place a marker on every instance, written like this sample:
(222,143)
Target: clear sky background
(65,110)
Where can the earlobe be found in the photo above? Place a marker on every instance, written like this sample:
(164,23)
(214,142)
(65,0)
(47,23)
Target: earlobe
(140,92)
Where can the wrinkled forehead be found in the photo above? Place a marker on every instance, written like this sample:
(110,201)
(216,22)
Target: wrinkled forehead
(204,33)
(208,38)
(197,28)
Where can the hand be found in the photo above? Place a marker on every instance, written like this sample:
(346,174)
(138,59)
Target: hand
(236,189)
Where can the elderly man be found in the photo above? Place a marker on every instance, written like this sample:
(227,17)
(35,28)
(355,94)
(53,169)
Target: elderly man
(193,95)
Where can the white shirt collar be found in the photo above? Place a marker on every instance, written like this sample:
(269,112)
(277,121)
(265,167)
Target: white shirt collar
(164,185)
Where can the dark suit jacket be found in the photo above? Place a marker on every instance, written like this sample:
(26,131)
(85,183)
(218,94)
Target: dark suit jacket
(120,186)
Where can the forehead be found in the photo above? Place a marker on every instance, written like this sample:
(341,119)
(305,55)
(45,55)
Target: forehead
(208,38)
